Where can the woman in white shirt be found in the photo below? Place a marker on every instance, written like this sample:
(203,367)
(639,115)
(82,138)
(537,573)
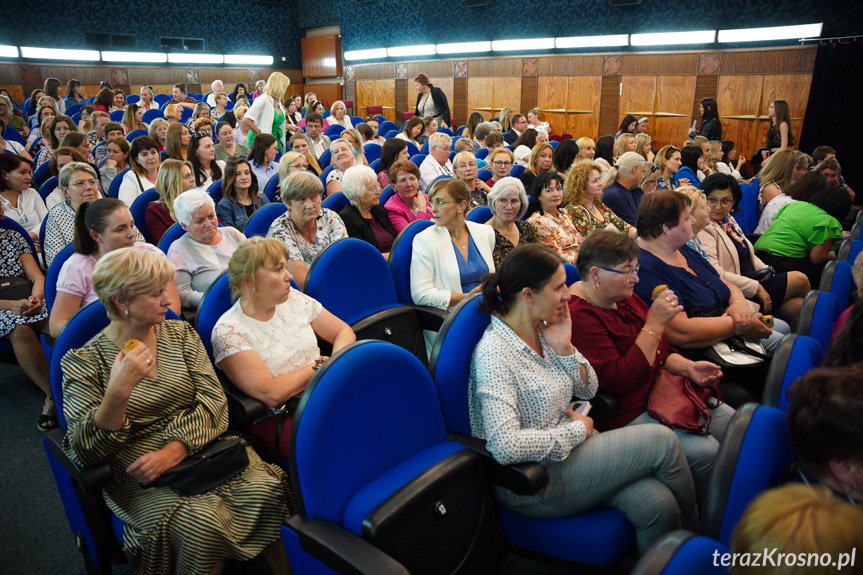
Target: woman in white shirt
(207,169)
(339,115)
(145,161)
(523,376)
(21,202)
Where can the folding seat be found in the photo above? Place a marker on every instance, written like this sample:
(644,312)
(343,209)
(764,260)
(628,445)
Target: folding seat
(372,151)
(139,212)
(41,174)
(482,154)
(374,110)
(53,273)
(849,250)
(380,118)
(836,279)
(14,135)
(393,495)
(682,553)
(753,455)
(374,165)
(446,131)
(598,537)
(116,116)
(336,202)
(356,121)
(334,131)
(407,116)
(151,115)
(114,190)
(161,99)
(132,99)
(747,215)
(387,126)
(136,133)
(215,191)
(554,144)
(352,281)
(517,171)
(819,311)
(173,234)
(460,130)
(260,222)
(479,215)
(795,356)
(386,194)
(272,187)
(326,158)
(46,188)
(417,159)
(412,149)
(484,175)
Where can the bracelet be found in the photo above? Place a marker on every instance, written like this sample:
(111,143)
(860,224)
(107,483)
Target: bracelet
(739,301)
(645,330)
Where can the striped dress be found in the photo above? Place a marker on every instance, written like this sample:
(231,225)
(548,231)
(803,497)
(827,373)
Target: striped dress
(166,532)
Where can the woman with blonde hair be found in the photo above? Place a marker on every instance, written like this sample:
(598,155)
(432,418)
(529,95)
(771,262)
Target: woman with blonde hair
(173,113)
(668,160)
(300,144)
(714,156)
(583,198)
(146,102)
(175,177)
(625,143)
(504,119)
(650,181)
(533,119)
(353,138)
(158,131)
(642,147)
(465,168)
(776,175)
(133,119)
(586,149)
(177,141)
(500,161)
(267,113)
(541,160)
(339,115)
(201,110)
(241,132)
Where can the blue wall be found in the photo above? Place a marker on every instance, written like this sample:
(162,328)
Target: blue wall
(382,23)
(227,26)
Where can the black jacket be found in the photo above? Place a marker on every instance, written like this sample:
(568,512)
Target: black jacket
(358,227)
(439,99)
(510,137)
(710,129)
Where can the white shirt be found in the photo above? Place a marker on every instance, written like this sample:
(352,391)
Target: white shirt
(770,211)
(30,212)
(209,173)
(430,170)
(318,146)
(129,189)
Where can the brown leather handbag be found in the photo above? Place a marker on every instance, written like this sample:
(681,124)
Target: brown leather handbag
(675,402)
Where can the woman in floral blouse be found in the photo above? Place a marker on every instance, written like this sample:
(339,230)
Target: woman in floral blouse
(583,198)
(553,226)
(508,202)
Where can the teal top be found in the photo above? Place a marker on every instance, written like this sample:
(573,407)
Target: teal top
(797,228)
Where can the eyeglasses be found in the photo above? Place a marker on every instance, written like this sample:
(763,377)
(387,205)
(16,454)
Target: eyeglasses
(632,272)
(373,188)
(501,164)
(84,184)
(506,202)
(713,200)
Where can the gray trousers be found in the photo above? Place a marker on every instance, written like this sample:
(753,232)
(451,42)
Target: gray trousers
(640,470)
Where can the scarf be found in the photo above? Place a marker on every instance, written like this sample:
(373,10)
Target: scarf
(733,230)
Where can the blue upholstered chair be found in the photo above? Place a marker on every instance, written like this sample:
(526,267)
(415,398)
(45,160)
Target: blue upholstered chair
(418,159)
(114,190)
(796,355)
(386,194)
(387,126)
(336,202)
(849,250)
(400,258)
(260,222)
(116,116)
(517,171)
(272,187)
(836,279)
(151,115)
(326,159)
(819,311)
(54,272)
(682,553)
(41,174)
(139,212)
(753,456)
(215,191)
(484,175)
(480,214)
(415,503)
(136,133)
(326,173)
(372,151)
(47,187)
(334,131)
(173,234)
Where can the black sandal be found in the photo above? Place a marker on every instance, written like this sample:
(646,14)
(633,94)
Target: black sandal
(47,422)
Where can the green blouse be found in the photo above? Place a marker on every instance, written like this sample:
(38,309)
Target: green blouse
(797,228)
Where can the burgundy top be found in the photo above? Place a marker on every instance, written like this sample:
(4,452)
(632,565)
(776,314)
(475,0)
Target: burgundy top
(382,235)
(606,337)
(158,221)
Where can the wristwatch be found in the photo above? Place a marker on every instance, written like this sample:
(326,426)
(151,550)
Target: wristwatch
(318,363)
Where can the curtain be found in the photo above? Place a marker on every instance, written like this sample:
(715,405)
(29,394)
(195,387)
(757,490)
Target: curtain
(833,114)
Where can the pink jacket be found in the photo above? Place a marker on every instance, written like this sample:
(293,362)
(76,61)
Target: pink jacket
(401,216)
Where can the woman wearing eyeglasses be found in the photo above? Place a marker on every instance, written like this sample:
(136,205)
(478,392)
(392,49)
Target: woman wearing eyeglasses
(733,256)
(624,339)
(364,217)
(500,160)
(465,169)
(508,202)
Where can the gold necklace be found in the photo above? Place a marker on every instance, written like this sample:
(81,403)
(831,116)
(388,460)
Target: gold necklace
(590,300)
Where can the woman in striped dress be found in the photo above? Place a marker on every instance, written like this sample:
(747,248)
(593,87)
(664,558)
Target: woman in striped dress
(144,411)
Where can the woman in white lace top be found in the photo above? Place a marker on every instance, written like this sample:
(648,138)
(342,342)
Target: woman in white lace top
(267,342)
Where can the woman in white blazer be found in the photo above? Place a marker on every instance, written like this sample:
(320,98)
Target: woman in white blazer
(267,114)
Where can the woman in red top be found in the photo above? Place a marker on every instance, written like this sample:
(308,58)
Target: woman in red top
(622,338)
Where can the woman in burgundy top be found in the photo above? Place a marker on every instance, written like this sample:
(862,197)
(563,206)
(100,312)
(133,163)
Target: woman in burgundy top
(623,340)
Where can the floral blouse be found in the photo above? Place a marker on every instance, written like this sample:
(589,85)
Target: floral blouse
(585,222)
(502,245)
(559,233)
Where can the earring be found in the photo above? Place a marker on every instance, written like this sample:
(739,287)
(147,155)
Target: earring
(127,313)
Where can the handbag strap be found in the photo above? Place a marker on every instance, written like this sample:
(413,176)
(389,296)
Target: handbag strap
(738,345)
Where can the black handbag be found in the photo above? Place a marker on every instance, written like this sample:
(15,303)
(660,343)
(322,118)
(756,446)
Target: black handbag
(15,288)
(761,276)
(219,461)
(731,352)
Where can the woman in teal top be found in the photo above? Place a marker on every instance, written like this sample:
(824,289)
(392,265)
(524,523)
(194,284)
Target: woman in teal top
(802,235)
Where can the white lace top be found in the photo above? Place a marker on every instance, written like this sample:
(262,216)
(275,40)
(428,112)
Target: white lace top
(285,343)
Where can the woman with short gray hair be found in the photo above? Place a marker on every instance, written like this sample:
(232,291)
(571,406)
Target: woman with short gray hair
(365,218)
(78,183)
(507,201)
(306,228)
(203,253)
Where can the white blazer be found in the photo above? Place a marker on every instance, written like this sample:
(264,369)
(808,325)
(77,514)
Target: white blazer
(262,113)
(434,268)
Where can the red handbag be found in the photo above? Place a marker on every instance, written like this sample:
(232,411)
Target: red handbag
(675,402)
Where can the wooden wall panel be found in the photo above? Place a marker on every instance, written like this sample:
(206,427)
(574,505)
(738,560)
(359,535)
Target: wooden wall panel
(787,60)
(673,63)
(322,56)
(365,90)
(479,95)
(584,93)
(793,88)
(739,95)
(507,94)
(705,87)
(495,67)
(637,96)
(17,92)
(674,94)
(327,93)
(375,92)
(608,105)
(743,133)
(551,92)
(558,122)
(459,104)
(401,88)
(669,130)
(579,125)
(528,99)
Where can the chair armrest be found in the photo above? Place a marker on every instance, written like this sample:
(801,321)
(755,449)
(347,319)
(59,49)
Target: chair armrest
(521,478)
(88,479)
(430,318)
(341,550)
(604,405)
(245,409)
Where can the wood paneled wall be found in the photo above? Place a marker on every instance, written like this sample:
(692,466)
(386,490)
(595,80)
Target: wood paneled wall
(22,79)
(588,95)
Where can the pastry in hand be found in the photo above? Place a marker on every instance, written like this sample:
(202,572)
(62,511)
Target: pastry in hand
(130,345)
(658,290)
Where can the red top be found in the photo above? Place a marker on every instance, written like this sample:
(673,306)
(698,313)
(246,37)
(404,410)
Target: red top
(100,108)
(606,337)
(158,221)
